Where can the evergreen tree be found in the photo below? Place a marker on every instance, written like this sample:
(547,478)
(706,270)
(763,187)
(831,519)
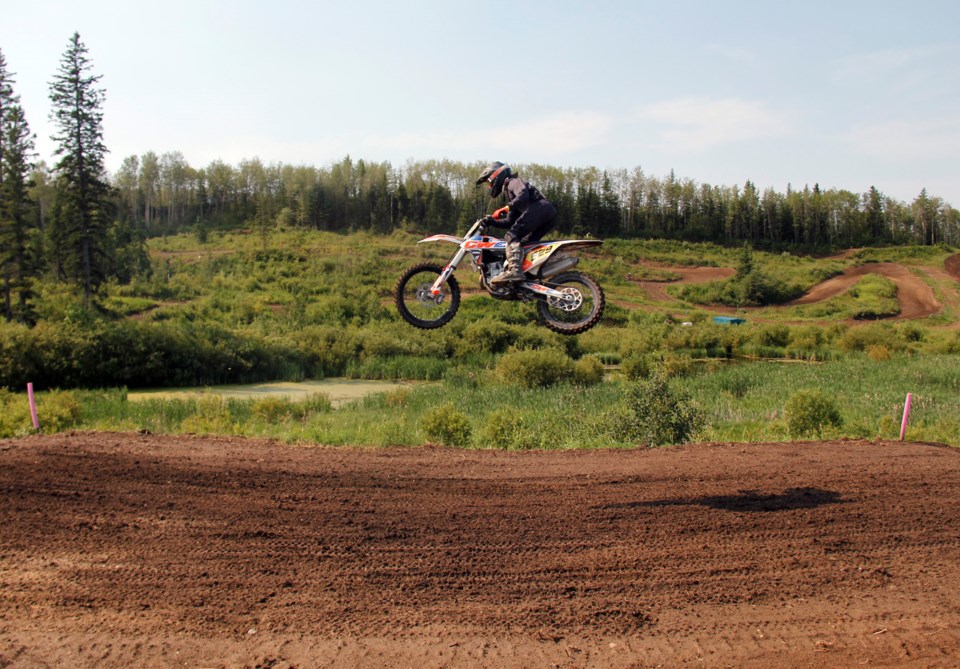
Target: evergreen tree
(16,147)
(81,178)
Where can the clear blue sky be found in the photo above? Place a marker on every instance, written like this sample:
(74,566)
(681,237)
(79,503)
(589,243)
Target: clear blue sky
(845,93)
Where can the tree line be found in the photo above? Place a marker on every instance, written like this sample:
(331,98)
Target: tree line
(76,223)
(164,195)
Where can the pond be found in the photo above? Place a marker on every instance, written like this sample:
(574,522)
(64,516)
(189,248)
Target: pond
(340,391)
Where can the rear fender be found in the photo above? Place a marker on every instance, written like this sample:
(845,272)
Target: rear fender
(541,252)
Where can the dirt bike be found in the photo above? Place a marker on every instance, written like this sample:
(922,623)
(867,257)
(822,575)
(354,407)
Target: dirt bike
(428,295)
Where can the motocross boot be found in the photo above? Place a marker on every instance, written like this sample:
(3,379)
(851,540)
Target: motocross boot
(511,268)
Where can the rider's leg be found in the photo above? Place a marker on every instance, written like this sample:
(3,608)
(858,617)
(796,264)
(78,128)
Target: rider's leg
(530,227)
(512,268)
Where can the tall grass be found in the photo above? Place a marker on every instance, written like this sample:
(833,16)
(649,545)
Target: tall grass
(745,401)
(738,402)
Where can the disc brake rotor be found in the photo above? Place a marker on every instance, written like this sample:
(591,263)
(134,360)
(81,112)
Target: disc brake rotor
(425,297)
(571,301)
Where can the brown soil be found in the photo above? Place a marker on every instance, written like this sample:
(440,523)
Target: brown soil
(916,297)
(657,290)
(952,265)
(123,550)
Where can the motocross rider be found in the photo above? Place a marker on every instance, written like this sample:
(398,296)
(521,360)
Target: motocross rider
(528,215)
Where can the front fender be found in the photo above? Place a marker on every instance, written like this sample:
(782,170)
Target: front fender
(442,238)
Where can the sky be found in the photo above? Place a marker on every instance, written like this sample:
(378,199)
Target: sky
(845,93)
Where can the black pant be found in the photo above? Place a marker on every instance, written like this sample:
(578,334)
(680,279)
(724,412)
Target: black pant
(533,224)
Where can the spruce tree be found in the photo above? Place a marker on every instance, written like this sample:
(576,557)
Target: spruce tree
(16,148)
(82,188)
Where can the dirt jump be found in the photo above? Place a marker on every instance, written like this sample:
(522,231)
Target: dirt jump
(121,550)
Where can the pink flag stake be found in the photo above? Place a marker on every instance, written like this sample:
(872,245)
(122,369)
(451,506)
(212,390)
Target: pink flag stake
(33,407)
(906,416)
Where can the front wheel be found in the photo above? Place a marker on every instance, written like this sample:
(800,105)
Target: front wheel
(418,306)
(580,312)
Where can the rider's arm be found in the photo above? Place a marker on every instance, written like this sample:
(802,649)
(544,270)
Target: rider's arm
(519,197)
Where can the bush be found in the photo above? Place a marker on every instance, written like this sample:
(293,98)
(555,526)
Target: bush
(446,425)
(864,336)
(809,412)
(538,368)
(805,340)
(58,410)
(14,415)
(503,429)
(636,367)
(273,409)
(654,413)
(587,371)
(280,409)
(487,336)
(212,416)
(773,335)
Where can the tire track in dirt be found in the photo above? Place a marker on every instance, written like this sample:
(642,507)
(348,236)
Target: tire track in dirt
(123,550)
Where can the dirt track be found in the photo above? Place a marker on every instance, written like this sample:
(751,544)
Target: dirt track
(916,297)
(125,550)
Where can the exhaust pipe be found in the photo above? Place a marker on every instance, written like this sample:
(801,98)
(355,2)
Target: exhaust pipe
(553,267)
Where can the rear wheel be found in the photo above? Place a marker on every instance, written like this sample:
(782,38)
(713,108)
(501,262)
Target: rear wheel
(417,305)
(581,309)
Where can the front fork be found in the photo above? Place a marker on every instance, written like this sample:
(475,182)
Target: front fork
(435,289)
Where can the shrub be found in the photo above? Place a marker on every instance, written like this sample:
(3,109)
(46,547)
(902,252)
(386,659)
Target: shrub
(773,335)
(674,365)
(654,413)
(503,429)
(273,409)
(587,371)
(487,336)
(537,368)
(809,412)
(806,339)
(14,415)
(58,410)
(880,334)
(328,350)
(212,416)
(446,425)
(636,367)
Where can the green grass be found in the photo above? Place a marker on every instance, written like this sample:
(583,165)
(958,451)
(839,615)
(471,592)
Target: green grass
(739,401)
(242,308)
